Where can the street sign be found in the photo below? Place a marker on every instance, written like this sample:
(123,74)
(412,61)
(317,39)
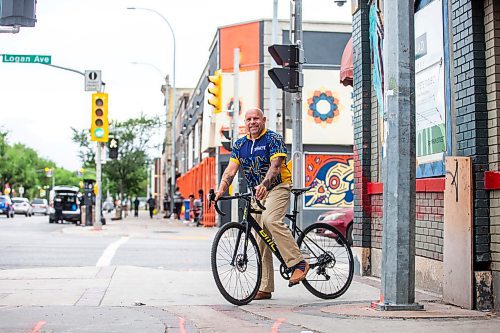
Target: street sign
(93,80)
(27,58)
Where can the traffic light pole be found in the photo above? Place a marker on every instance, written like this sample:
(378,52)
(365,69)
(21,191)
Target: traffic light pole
(97,212)
(296,108)
(235,118)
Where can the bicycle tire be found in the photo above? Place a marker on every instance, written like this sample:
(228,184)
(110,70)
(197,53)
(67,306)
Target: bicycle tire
(330,258)
(247,275)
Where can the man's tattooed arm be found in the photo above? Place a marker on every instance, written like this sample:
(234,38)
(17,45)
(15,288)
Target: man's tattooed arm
(227,178)
(274,171)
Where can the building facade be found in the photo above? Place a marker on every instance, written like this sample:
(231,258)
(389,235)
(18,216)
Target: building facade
(457,68)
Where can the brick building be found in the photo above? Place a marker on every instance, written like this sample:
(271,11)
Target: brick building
(457,105)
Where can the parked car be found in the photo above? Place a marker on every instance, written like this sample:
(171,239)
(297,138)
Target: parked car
(6,207)
(22,206)
(70,204)
(40,206)
(341,219)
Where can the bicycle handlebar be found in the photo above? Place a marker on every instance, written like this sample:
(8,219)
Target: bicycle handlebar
(246,196)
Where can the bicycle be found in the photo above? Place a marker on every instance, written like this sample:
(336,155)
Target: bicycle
(236,260)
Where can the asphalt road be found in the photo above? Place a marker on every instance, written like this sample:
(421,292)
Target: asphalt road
(30,242)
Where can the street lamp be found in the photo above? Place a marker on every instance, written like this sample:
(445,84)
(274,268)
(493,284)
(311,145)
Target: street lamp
(172,183)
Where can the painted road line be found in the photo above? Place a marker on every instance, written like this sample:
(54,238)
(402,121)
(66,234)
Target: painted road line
(110,251)
(38,326)
(182,325)
(277,324)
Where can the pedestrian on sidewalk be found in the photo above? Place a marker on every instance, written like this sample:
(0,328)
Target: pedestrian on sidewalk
(58,207)
(178,201)
(198,208)
(166,206)
(151,206)
(136,207)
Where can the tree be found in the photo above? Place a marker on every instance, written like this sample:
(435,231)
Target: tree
(127,173)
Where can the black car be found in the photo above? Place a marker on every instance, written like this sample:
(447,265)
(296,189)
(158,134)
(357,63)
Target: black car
(6,207)
(68,196)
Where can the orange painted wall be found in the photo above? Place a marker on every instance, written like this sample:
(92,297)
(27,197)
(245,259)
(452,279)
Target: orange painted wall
(202,176)
(246,37)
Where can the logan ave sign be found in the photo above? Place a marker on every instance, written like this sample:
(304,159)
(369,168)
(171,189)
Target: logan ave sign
(27,59)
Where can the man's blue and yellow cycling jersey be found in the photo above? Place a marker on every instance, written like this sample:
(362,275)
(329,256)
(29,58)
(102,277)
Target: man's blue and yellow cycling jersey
(255,157)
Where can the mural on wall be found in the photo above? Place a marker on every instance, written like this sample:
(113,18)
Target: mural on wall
(326,105)
(376,45)
(332,180)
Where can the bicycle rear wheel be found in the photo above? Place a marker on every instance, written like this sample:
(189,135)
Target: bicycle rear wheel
(237,275)
(330,259)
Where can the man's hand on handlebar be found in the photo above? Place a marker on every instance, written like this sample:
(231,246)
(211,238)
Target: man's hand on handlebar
(260,192)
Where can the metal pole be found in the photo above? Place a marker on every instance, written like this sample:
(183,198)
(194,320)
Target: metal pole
(272,92)
(398,161)
(296,108)
(235,118)
(174,104)
(97,213)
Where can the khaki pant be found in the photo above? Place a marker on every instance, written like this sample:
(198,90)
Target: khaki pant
(271,220)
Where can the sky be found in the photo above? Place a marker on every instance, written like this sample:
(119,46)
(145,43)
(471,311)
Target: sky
(39,104)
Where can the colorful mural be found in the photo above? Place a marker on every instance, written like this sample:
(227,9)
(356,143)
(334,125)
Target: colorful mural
(332,179)
(328,114)
(376,45)
(326,105)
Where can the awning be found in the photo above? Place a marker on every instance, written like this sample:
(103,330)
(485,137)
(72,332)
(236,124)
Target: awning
(346,67)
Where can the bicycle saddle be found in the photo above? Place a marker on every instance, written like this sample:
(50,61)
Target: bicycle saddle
(299,191)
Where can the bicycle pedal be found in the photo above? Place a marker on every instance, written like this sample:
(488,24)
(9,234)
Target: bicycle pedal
(291,284)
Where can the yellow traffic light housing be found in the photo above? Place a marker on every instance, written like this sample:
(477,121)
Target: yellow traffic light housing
(99,129)
(216,91)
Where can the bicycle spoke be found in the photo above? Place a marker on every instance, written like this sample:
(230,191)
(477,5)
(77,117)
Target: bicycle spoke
(237,276)
(330,261)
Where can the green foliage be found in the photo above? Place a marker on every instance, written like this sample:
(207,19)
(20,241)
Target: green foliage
(22,166)
(128,173)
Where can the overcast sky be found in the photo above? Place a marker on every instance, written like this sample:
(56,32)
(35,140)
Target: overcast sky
(39,104)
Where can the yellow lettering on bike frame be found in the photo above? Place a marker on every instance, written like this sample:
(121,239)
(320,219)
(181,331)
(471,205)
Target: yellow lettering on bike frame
(268,240)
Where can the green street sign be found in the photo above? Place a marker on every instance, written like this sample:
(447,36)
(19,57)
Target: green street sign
(27,59)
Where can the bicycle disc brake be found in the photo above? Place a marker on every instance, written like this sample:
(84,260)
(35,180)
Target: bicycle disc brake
(285,272)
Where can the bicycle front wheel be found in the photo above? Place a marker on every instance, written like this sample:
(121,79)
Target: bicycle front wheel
(236,273)
(330,261)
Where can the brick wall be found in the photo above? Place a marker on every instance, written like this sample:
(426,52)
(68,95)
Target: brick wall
(471,112)
(429,225)
(361,122)
(428,228)
(376,225)
(492,40)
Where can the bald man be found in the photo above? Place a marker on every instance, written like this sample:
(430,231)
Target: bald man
(262,156)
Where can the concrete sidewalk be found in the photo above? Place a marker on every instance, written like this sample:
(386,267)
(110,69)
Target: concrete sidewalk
(192,294)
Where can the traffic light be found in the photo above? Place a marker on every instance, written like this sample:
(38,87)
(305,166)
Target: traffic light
(216,91)
(113,148)
(226,144)
(18,12)
(288,78)
(99,129)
